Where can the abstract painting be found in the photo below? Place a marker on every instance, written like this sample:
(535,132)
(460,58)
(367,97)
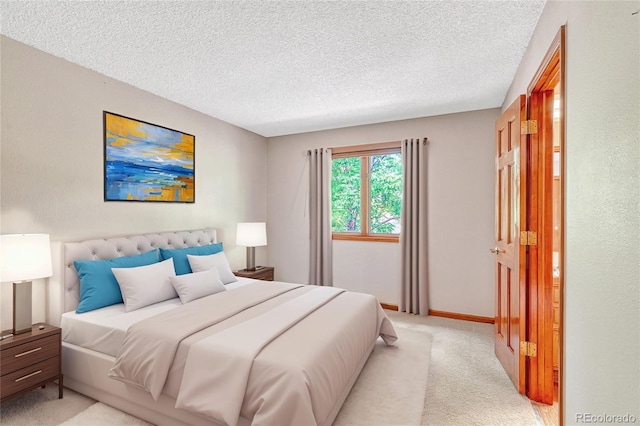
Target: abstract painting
(147,162)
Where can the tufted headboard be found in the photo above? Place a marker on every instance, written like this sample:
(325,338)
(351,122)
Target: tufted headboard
(121,246)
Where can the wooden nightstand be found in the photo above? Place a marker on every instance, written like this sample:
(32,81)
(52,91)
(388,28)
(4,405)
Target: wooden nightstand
(264,273)
(30,360)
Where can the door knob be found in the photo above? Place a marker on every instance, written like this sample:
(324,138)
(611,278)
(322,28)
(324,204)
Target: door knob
(496,250)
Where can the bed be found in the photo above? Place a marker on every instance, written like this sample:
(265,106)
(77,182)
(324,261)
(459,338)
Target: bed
(256,353)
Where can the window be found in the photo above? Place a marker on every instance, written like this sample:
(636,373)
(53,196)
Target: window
(366,192)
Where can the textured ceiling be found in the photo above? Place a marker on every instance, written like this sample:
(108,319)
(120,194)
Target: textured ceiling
(283,67)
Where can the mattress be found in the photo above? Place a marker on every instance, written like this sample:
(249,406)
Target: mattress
(104,330)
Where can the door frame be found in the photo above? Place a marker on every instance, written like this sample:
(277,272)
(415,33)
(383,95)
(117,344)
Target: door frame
(540,386)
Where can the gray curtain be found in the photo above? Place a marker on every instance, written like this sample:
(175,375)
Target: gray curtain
(413,235)
(320,268)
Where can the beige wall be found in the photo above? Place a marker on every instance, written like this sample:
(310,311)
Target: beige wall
(602,284)
(52,161)
(461,212)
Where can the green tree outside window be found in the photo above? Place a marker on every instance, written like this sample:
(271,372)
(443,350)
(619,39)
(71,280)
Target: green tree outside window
(384,198)
(345,195)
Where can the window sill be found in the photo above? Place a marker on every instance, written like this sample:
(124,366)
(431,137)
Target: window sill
(370,238)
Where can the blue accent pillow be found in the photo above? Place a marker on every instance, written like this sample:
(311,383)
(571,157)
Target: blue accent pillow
(180,260)
(98,285)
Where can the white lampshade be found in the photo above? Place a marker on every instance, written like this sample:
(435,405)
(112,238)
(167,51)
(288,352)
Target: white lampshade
(251,234)
(24,257)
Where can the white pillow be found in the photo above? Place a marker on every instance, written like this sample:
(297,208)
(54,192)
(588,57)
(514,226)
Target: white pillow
(145,285)
(198,284)
(218,261)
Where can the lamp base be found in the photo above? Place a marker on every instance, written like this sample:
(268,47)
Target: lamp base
(251,258)
(21,307)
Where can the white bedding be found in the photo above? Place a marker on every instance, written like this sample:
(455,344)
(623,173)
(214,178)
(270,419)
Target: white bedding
(297,348)
(104,330)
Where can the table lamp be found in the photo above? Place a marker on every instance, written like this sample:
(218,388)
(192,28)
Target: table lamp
(24,257)
(251,235)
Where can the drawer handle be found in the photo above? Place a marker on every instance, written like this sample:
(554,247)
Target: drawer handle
(27,352)
(28,375)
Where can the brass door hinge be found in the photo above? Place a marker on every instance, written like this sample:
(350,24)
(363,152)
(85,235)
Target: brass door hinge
(529,127)
(528,349)
(528,238)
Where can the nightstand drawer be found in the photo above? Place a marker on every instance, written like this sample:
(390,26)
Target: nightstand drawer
(29,353)
(29,376)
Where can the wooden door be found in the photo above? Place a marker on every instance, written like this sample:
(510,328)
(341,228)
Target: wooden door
(510,292)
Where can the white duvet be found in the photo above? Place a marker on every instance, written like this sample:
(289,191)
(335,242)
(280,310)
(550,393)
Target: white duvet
(275,353)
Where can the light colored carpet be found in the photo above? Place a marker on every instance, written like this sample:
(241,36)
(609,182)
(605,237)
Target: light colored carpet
(391,386)
(42,407)
(100,414)
(467,385)
(461,383)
